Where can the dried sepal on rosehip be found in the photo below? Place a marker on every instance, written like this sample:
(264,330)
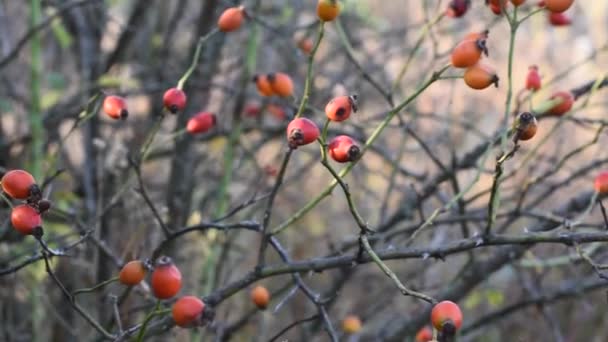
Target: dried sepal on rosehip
(340,108)
(344,149)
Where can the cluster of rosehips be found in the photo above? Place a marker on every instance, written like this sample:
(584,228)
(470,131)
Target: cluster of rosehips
(303,131)
(166,282)
(555,15)
(278,83)
(467,54)
(564,99)
(446,318)
(26,217)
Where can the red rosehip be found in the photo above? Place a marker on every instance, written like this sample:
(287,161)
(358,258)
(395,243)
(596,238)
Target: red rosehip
(445,312)
(559,19)
(201,123)
(458,8)
(424,335)
(115,107)
(301,131)
(174,100)
(18,184)
(339,108)
(166,279)
(187,311)
(132,273)
(343,149)
(601,183)
(558,5)
(25,218)
(564,106)
(533,79)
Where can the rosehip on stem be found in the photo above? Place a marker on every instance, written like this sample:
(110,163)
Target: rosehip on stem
(187,311)
(301,131)
(281,84)
(340,108)
(328,10)
(480,76)
(567,100)
(166,279)
(19,184)
(468,52)
(115,107)
(343,149)
(201,123)
(446,312)
(260,297)
(601,183)
(231,19)
(458,8)
(174,100)
(132,273)
(25,219)
(533,82)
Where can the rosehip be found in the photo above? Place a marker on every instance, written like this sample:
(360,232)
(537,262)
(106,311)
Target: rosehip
(25,218)
(260,297)
(567,100)
(601,183)
(558,5)
(458,8)
(264,88)
(132,273)
(351,324)
(424,335)
(525,126)
(281,84)
(328,10)
(115,107)
(201,123)
(339,108)
(468,52)
(174,100)
(306,45)
(343,149)
(559,19)
(517,2)
(19,184)
(445,312)
(231,19)
(277,112)
(187,311)
(533,79)
(480,76)
(301,131)
(166,279)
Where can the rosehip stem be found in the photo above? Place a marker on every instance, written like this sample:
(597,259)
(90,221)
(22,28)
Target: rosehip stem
(195,58)
(144,325)
(96,287)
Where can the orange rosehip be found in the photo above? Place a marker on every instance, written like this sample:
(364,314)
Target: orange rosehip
(231,19)
(19,184)
(281,84)
(446,312)
(328,10)
(343,149)
(263,85)
(132,273)
(25,218)
(201,123)
(567,100)
(339,108)
(480,76)
(517,2)
(558,5)
(301,131)
(187,311)
(174,100)
(468,52)
(351,324)
(260,297)
(166,279)
(115,107)
(525,126)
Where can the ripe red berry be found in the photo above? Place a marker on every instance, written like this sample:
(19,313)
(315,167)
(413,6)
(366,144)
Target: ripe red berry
(132,273)
(559,19)
(558,5)
(567,100)
(18,184)
(458,8)
(25,218)
(343,149)
(424,335)
(174,100)
(166,279)
(601,183)
(301,131)
(339,108)
(187,311)
(533,79)
(445,312)
(231,19)
(260,297)
(517,2)
(201,123)
(115,107)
